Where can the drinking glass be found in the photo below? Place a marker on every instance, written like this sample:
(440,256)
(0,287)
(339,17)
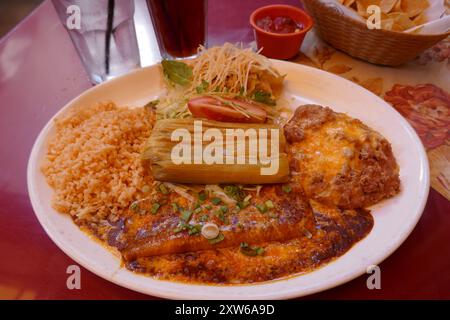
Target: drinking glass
(103,34)
(180,26)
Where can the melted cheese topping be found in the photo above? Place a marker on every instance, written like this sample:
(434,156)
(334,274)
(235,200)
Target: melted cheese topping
(331,147)
(329,151)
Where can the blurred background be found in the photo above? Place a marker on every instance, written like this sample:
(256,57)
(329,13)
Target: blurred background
(11,12)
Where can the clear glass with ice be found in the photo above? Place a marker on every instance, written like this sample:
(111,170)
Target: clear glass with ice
(103,33)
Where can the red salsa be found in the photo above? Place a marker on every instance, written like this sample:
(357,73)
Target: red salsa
(281,24)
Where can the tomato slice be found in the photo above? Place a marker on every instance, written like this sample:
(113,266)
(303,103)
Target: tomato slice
(226,110)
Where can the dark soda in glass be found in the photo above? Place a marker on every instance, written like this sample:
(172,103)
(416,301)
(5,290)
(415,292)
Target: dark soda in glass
(180,26)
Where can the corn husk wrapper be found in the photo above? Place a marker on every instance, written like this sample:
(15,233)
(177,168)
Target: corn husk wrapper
(158,154)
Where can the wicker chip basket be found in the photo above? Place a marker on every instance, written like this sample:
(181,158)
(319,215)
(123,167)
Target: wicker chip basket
(383,47)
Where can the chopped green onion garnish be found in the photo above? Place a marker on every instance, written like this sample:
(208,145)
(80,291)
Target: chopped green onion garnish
(234,192)
(198,210)
(261,207)
(269,204)
(186,215)
(163,189)
(194,229)
(286,188)
(259,251)
(220,215)
(155,208)
(204,218)
(175,206)
(251,251)
(217,239)
(134,206)
(181,227)
(202,196)
(216,201)
(178,230)
(224,209)
(243,204)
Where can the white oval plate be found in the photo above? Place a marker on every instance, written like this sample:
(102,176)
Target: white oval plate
(394,218)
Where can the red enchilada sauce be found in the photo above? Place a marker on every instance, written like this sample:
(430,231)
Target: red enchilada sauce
(280,25)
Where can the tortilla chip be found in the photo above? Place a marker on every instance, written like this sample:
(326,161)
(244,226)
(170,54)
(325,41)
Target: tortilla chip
(420,19)
(401,21)
(387,5)
(387,24)
(397,6)
(414,7)
(362,5)
(397,15)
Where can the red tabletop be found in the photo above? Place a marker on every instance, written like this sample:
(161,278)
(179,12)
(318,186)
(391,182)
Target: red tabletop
(40,72)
